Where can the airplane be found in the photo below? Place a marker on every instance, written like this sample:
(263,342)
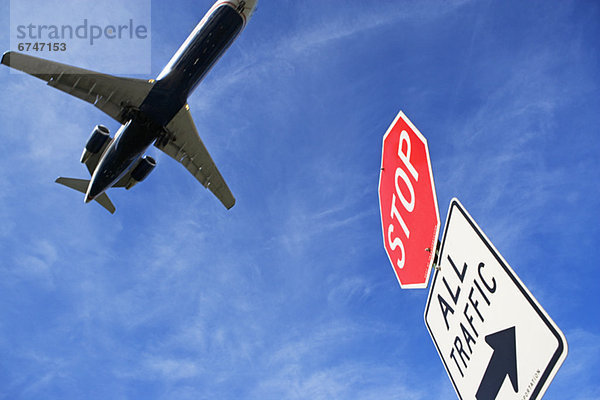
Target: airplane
(153,111)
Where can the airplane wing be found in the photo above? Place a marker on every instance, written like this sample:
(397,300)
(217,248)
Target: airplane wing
(114,96)
(186,148)
(111,94)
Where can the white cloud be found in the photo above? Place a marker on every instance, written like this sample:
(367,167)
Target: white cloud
(171,369)
(33,264)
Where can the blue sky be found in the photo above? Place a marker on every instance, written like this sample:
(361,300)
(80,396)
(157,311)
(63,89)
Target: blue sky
(290,294)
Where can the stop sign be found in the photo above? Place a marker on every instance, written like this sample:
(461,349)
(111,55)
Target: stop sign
(408,204)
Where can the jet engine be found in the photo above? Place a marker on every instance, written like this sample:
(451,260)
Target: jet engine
(141,171)
(97,142)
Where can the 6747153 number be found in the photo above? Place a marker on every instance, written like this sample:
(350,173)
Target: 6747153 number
(42,46)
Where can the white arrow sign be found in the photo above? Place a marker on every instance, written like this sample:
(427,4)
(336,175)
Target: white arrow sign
(493,337)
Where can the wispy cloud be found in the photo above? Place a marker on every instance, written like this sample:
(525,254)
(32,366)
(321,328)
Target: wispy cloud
(34,263)
(584,355)
(169,369)
(313,365)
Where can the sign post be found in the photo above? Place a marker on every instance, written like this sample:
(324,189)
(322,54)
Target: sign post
(494,338)
(408,203)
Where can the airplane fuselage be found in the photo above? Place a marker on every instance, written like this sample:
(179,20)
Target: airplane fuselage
(205,45)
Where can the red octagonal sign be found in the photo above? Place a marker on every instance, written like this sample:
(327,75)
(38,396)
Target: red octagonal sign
(408,204)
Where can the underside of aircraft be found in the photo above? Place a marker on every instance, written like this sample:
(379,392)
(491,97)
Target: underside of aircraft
(151,112)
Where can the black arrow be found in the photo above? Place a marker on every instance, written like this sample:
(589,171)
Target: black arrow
(502,363)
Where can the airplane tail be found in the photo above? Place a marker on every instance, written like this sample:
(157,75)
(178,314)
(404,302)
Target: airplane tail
(81,185)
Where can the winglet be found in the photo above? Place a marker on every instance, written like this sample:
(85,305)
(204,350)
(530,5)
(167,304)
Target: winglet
(6,58)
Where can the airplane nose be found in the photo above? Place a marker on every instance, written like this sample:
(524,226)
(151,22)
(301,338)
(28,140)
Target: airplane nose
(92,191)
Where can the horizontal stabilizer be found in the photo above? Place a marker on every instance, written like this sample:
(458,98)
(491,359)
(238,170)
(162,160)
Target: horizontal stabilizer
(81,185)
